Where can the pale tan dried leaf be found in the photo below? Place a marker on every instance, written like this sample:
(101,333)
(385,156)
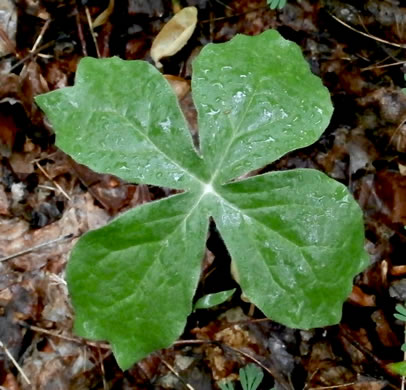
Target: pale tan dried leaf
(104,16)
(402,169)
(174,35)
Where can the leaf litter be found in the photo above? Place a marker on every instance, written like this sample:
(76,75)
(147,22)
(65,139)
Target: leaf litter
(348,353)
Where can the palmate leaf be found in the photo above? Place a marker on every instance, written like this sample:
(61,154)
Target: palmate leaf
(251,377)
(123,118)
(295,237)
(290,235)
(256,102)
(132,281)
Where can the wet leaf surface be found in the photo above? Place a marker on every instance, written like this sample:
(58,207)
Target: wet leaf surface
(363,101)
(295,220)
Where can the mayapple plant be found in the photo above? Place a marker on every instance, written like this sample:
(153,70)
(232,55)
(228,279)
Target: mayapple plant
(295,237)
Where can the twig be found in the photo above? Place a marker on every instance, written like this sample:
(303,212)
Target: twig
(53,181)
(250,357)
(102,369)
(50,188)
(34,248)
(224,4)
(234,16)
(334,386)
(247,355)
(89,21)
(362,349)
(32,54)
(41,35)
(80,33)
(190,387)
(16,365)
(198,342)
(383,66)
(398,45)
(66,338)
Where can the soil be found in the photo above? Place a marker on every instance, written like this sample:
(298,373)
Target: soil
(356,47)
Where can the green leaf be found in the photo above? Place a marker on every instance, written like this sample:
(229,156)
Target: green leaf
(210,300)
(296,237)
(132,282)
(398,368)
(276,4)
(280,228)
(226,385)
(121,117)
(251,376)
(401,310)
(400,317)
(256,101)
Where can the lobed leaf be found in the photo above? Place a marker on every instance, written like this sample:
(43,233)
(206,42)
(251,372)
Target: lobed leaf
(122,117)
(132,281)
(296,237)
(256,100)
(251,377)
(401,310)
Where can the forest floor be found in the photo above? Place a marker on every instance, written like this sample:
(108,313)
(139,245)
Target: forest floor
(354,46)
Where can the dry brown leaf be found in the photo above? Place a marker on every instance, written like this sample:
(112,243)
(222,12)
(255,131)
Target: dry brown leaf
(398,270)
(360,298)
(179,85)
(4,203)
(8,23)
(174,35)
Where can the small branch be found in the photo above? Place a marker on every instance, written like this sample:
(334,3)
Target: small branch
(89,21)
(40,36)
(35,248)
(16,365)
(171,369)
(53,181)
(334,387)
(80,33)
(66,338)
(31,54)
(383,66)
(398,45)
(103,372)
(235,15)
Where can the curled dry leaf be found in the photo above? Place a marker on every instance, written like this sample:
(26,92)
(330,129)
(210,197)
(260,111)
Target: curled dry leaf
(104,16)
(174,35)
